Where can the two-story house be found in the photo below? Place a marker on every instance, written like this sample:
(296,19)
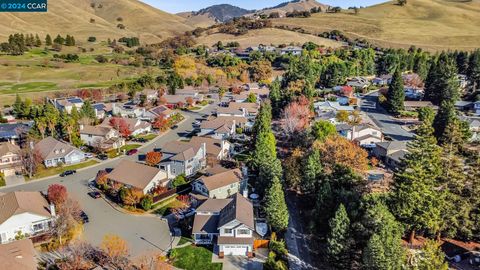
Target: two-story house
(55,153)
(101,137)
(159,111)
(228,223)
(135,125)
(24,214)
(67,104)
(223,127)
(390,152)
(217,149)
(183,158)
(221,185)
(365,135)
(129,109)
(10,159)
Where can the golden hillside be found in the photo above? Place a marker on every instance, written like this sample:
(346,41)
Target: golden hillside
(431,24)
(75,16)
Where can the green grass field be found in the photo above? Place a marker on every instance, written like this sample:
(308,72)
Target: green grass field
(44,172)
(193,258)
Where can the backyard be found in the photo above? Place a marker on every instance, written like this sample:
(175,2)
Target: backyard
(165,207)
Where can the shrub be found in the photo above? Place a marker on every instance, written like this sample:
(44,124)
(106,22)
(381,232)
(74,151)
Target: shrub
(146,202)
(92,39)
(179,180)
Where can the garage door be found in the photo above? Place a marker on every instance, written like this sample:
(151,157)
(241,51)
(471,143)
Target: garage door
(9,172)
(235,250)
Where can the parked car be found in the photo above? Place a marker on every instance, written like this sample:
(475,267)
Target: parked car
(88,155)
(174,127)
(67,173)
(84,217)
(187,213)
(196,123)
(132,152)
(102,157)
(95,194)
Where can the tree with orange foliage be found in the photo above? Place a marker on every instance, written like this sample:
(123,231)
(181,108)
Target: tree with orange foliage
(101,179)
(153,158)
(296,116)
(115,248)
(190,101)
(120,125)
(57,194)
(339,150)
(160,123)
(184,204)
(162,100)
(130,196)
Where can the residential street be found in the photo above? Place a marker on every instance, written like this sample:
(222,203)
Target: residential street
(390,126)
(144,234)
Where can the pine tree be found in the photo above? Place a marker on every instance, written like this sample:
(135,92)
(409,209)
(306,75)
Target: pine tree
(416,199)
(48,40)
(396,93)
(446,116)
(312,171)
(18,106)
(38,42)
(276,207)
(462,60)
(87,110)
(430,82)
(276,98)
(473,71)
(443,84)
(338,239)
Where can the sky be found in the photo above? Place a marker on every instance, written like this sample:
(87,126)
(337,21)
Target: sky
(175,6)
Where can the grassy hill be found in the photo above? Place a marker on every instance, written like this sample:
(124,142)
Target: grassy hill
(296,5)
(266,36)
(431,24)
(84,18)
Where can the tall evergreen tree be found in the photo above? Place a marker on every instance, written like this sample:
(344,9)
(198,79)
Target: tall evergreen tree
(87,110)
(396,93)
(446,117)
(275,206)
(18,106)
(462,62)
(416,200)
(473,71)
(442,82)
(338,239)
(48,40)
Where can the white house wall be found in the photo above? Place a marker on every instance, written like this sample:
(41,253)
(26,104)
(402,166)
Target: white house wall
(21,222)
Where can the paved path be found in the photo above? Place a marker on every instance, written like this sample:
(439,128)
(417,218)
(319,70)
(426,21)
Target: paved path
(143,233)
(390,126)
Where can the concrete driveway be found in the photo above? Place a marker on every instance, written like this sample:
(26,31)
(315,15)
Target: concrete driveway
(243,262)
(143,233)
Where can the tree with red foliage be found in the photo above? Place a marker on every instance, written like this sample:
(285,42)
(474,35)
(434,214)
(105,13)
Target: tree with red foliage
(57,194)
(296,116)
(160,123)
(180,104)
(162,100)
(184,204)
(97,95)
(153,158)
(121,125)
(84,93)
(102,179)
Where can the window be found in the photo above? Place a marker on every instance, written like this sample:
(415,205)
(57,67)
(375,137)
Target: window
(243,231)
(228,231)
(37,227)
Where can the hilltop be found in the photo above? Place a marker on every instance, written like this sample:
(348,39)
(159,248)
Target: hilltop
(213,14)
(296,5)
(430,24)
(99,18)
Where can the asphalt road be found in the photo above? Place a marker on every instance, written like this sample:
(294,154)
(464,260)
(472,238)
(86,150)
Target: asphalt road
(390,126)
(143,233)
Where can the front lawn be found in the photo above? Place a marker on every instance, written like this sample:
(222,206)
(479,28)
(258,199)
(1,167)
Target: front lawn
(147,137)
(44,172)
(165,208)
(2,180)
(115,153)
(184,240)
(193,258)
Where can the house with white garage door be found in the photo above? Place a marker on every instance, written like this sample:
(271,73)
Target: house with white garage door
(227,223)
(55,153)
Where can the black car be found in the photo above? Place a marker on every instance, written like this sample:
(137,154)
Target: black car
(84,217)
(67,173)
(102,157)
(174,127)
(94,194)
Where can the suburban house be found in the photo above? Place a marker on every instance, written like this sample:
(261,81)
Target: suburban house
(135,126)
(291,50)
(328,106)
(19,255)
(67,104)
(10,159)
(463,105)
(24,214)
(382,80)
(249,110)
(227,222)
(159,111)
(390,152)
(358,83)
(14,131)
(129,109)
(183,158)
(230,111)
(261,93)
(174,101)
(217,149)
(223,127)
(102,137)
(138,176)
(150,94)
(221,185)
(55,152)
(415,105)
(476,107)
(100,110)
(363,134)
(474,126)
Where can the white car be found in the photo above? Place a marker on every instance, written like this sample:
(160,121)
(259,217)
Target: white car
(88,155)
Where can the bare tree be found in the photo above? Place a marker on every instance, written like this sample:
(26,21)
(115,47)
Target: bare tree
(67,219)
(30,158)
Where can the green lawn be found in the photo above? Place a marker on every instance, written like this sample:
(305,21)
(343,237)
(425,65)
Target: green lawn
(44,172)
(164,208)
(193,258)
(114,153)
(147,137)
(2,180)
(29,87)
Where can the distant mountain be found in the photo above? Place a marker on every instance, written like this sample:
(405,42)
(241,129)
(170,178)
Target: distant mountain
(217,13)
(295,5)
